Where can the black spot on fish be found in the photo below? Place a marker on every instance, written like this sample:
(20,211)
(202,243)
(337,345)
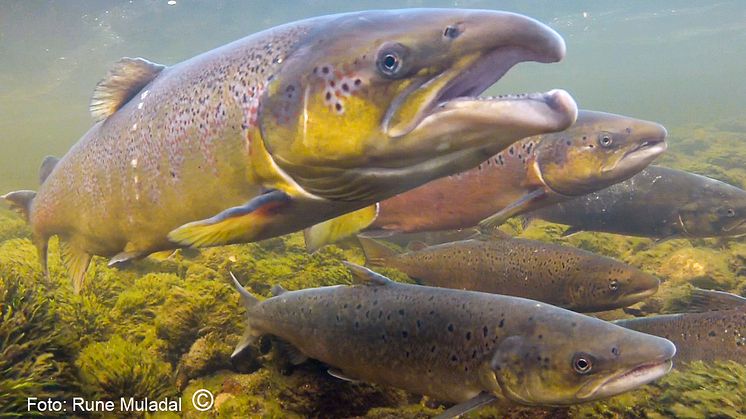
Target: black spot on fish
(325,70)
(358,82)
(401,312)
(502,323)
(345,87)
(712,333)
(359,306)
(484,331)
(511,151)
(338,106)
(404,334)
(468,335)
(450,327)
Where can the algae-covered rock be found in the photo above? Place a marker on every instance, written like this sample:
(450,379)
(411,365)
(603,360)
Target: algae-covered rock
(121,368)
(307,392)
(12,227)
(703,267)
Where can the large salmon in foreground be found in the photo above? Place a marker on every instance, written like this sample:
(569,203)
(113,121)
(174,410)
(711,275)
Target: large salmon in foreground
(287,128)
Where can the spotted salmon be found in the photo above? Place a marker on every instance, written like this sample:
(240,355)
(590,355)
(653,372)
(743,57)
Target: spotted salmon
(600,149)
(559,275)
(457,345)
(286,128)
(659,203)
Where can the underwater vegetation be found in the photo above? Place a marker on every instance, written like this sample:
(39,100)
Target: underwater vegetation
(167,327)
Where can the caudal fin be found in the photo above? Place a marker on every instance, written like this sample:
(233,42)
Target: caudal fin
(250,335)
(711,300)
(21,202)
(376,252)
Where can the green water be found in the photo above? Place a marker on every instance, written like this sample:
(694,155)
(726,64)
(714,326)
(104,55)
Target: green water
(669,61)
(680,63)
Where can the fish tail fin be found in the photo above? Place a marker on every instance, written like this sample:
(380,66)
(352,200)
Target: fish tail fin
(21,202)
(710,300)
(376,252)
(77,261)
(250,335)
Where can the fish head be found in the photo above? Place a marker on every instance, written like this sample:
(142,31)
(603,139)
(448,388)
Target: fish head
(719,211)
(374,103)
(607,284)
(599,150)
(567,358)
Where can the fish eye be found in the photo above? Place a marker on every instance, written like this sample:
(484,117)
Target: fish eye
(605,140)
(582,363)
(390,60)
(614,285)
(731,212)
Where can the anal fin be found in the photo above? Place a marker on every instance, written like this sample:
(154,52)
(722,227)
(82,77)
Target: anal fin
(290,352)
(475,402)
(77,261)
(234,225)
(338,228)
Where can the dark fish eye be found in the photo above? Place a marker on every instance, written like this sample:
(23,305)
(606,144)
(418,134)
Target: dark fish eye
(605,140)
(731,212)
(390,59)
(389,64)
(614,285)
(582,363)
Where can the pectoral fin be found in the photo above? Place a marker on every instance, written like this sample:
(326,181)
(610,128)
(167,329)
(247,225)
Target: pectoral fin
(339,374)
(338,228)
(477,401)
(123,257)
(234,225)
(524,204)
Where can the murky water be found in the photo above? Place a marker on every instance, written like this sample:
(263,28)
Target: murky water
(680,63)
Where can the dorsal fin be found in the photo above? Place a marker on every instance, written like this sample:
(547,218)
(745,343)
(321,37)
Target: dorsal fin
(277,289)
(122,83)
(46,168)
(376,253)
(416,245)
(363,275)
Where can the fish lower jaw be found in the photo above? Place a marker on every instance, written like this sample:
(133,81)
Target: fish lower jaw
(629,380)
(641,156)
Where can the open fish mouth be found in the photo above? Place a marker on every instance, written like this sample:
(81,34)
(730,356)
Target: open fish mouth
(462,85)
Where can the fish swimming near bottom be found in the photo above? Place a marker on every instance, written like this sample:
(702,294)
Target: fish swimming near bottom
(560,275)
(659,203)
(716,334)
(457,345)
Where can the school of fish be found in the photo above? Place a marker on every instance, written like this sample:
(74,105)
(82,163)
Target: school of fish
(372,121)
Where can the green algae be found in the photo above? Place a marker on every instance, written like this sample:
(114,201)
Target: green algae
(122,368)
(698,391)
(35,354)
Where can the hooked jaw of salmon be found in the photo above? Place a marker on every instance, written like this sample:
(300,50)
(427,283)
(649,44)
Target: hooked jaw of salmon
(599,150)
(395,105)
